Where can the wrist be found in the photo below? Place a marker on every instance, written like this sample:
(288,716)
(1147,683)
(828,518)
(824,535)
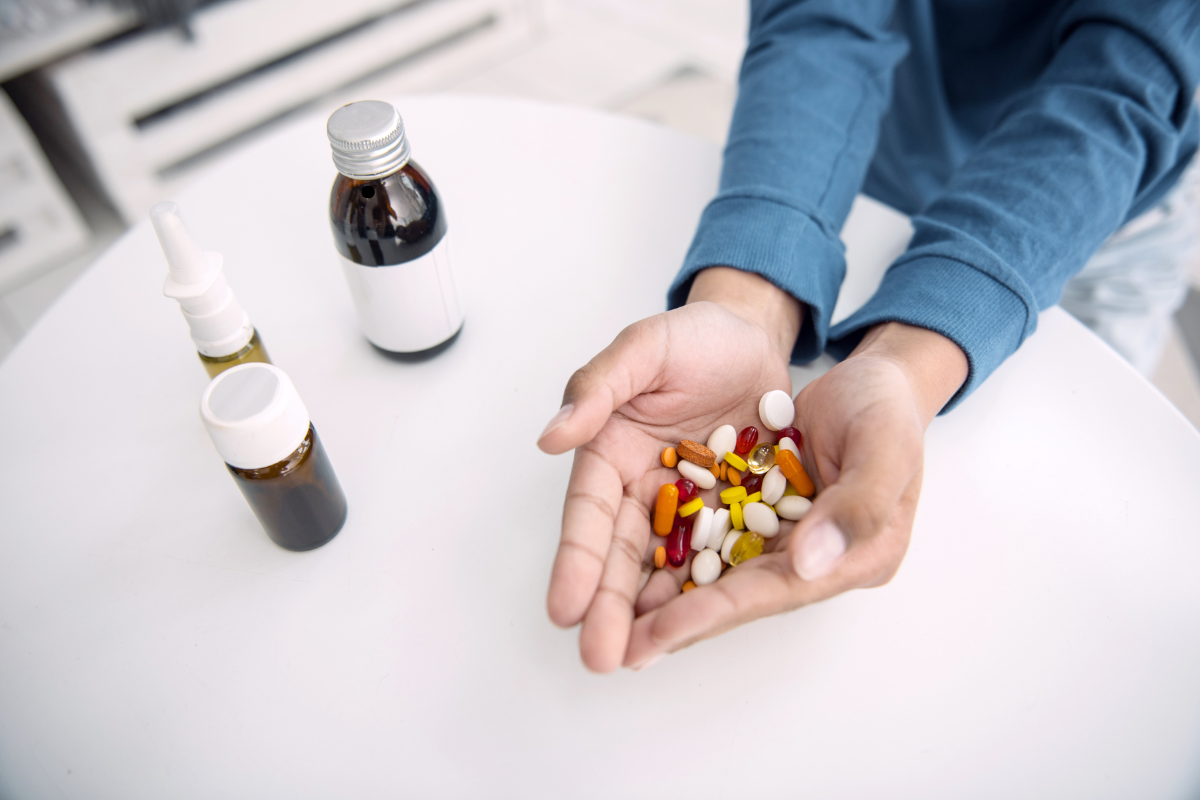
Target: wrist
(754,299)
(936,366)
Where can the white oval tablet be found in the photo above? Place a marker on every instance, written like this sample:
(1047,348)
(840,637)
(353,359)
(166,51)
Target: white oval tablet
(776,410)
(761,520)
(793,507)
(721,525)
(727,545)
(701,528)
(773,485)
(696,474)
(722,441)
(706,567)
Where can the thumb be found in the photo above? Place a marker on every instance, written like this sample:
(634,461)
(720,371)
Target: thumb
(626,368)
(853,511)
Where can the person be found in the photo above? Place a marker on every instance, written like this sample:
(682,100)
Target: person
(1018,134)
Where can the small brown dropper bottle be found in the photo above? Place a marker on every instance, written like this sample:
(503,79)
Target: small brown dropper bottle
(389,227)
(261,428)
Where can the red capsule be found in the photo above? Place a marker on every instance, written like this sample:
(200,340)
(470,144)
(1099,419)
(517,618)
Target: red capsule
(687,490)
(792,434)
(680,541)
(746,439)
(752,483)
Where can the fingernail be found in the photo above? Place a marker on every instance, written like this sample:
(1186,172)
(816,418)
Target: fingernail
(558,421)
(649,662)
(821,548)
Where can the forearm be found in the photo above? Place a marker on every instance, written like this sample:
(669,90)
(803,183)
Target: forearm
(754,299)
(936,367)
(815,81)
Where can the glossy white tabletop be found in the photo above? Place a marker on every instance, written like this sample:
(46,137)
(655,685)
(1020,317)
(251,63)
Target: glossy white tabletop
(1041,639)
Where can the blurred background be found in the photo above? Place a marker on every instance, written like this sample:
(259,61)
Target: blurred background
(108,106)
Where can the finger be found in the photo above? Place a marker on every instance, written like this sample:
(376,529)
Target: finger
(761,586)
(590,511)
(605,633)
(626,368)
(879,463)
(664,584)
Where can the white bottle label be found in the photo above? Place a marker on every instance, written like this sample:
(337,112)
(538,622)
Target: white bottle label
(407,307)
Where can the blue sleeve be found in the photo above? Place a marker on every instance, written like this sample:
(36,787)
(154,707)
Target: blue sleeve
(814,84)
(1108,126)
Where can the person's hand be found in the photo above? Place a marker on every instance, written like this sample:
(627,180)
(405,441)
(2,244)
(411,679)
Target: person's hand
(680,375)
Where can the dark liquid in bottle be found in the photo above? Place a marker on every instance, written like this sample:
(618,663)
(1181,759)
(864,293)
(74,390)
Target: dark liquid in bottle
(388,220)
(298,500)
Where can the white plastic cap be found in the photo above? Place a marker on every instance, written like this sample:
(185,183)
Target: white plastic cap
(254,415)
(196,279)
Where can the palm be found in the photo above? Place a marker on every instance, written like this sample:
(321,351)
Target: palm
(697,367)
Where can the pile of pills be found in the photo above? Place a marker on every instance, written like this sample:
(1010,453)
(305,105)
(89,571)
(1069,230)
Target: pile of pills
(766,483)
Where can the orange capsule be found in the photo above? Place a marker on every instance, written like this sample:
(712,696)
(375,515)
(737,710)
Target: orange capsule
(724,467)
(664,509)
(689,585)
(670,458)
(793,470)
(660,557)
(715,470)
(733,476)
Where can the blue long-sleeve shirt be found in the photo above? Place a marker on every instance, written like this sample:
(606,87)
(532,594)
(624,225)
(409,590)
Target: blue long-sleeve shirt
(1018,134)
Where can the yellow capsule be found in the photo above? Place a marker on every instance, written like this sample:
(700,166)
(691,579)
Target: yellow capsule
(735,516)
(690,507)
(733,494)
(790,491)
(761,459)
(754,498)
(749,545)
(776,449)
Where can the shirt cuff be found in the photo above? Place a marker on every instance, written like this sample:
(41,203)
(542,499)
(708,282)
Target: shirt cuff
(783,244)
(980,314)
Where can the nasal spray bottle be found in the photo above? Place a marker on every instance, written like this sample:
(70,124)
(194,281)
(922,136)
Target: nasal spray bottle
(220,328)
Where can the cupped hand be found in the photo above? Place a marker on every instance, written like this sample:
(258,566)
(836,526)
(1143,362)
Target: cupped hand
(682,374)
(673,376)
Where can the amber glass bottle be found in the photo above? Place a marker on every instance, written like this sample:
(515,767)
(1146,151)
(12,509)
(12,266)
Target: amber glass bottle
(298,500)
(261,429)
(390,231)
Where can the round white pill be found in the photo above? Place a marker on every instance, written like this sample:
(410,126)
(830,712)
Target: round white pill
(775,409)
(730,538)
(773,485)
(706,567)
(722,441)
(721,525)
(701,528)
(786,443)
(696,474)
(793,507)
(761,520)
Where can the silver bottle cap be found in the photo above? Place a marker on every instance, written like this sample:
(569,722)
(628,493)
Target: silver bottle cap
(368,139)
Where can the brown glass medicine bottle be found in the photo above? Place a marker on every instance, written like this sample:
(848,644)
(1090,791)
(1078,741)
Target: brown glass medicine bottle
(389,228)
(261,429)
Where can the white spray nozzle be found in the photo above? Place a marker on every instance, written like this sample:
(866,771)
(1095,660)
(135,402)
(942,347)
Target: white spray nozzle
(219,325)
(188,264)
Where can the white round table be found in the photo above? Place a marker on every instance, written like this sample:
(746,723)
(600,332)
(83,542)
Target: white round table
(1040,639)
